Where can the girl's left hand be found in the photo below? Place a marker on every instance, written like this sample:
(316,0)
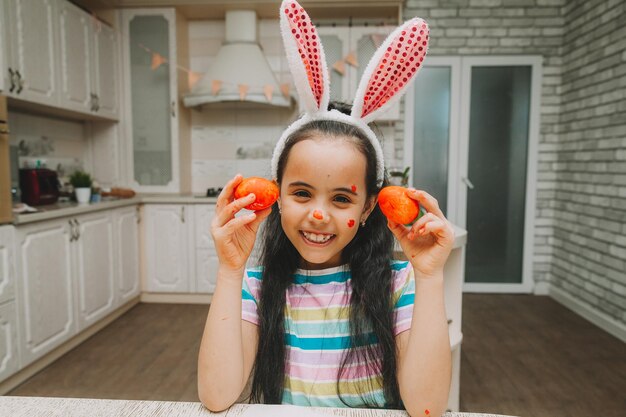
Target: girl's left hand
(428,242)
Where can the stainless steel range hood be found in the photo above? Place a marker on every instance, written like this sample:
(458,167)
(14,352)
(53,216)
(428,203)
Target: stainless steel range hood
(239,61)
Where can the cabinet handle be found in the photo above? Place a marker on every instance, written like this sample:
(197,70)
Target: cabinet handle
(72,237)
(173,109)
(97,102)
(138,215)
(11,77)
(20,82)
(182,214)
(77,229)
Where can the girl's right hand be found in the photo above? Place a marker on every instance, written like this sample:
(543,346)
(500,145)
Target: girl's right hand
(234,237)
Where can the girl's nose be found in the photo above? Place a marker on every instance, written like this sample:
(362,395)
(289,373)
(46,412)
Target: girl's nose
(319,216)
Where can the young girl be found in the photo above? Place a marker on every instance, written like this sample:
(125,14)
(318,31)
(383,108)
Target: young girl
(328,318)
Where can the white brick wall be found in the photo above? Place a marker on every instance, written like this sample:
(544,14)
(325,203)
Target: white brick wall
(581,192)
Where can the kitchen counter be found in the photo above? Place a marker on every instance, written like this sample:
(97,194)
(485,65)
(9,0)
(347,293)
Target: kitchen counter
(53,211)
(79,407)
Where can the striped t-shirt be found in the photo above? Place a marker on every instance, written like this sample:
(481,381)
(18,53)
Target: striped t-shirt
(317,333)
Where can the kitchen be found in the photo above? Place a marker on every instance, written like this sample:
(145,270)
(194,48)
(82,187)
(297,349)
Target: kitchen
(79,111)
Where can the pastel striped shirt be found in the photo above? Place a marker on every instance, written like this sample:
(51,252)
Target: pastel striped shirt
(317,333)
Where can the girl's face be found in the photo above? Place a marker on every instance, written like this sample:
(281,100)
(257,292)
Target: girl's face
(323,199)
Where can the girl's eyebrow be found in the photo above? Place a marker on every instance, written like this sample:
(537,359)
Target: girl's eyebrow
(346,190)
(304,184)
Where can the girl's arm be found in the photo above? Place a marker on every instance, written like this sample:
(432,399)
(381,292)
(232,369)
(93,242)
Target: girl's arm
(228,344)
(424,357)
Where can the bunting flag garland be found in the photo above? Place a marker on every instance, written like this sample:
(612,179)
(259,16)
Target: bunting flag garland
(157,60)
(268,90)
(243,91)
(340,67)
(285,89)
(216,86)
(192,78)
(351,59)
(378,39)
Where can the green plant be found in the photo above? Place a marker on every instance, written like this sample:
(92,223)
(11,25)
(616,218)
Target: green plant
(80,179)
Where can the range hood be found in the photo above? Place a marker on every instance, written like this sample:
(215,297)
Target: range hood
(239,61)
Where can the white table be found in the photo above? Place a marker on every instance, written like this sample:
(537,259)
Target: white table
(84,407)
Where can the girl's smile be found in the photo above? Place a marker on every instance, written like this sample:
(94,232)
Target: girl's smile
(319,201)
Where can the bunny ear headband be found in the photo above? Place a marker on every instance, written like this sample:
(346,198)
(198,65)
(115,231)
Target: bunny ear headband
(391,69)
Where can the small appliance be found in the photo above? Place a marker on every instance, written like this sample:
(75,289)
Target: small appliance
(39,186)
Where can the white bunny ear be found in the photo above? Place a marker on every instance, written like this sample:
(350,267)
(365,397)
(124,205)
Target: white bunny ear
(305,56)
(391,70)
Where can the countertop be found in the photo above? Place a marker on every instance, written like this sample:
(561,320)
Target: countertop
(79,407)
(53,211)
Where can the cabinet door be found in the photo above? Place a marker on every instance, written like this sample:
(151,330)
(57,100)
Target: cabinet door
(9,362)
(167,243)
(127,253)
(105,70)
(94,267)
(151,96)
(75,37)
(32,45)
(206,258)
(45,291)
(7,264)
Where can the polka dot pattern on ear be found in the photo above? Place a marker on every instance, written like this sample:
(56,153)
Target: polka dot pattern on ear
(307,40)
(398,64)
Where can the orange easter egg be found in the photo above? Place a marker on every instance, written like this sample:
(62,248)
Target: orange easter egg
(266,192)
(396,205)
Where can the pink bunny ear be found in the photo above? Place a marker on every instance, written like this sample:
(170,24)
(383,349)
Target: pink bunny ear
(305,56)
(391,70)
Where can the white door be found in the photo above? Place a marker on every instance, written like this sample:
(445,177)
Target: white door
(167,244)
(44,265)
(127,253)
(471,140)
(105,70)
(94,267)
(75,55)
(32,44)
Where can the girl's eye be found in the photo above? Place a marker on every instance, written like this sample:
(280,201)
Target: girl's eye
(342,199)
(302,193)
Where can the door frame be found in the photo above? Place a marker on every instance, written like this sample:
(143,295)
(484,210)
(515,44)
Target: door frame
(459,150)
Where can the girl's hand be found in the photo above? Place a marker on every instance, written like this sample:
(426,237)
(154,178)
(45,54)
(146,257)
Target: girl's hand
(234,236)
(428,242)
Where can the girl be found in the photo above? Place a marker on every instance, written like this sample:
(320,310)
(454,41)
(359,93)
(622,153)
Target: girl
(329,319)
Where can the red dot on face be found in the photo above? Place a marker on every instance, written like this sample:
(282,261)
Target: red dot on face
(318,214)
(353,188)
(427,411)
(351,223)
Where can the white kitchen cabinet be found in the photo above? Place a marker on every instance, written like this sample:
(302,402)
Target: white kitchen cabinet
(340,41)
(126,238)
(151,95)
(3,37)
(88,55)
(31,72)
(168,228)
(75,55)
(95,267)
(45,286)
(206,257)
(180,253)
(9,359)
(7,264)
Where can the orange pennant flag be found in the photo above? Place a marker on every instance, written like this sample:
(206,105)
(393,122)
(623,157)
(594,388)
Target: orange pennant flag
(268,90)
(243,91)
(284,89)
(216,85)
(378,39)
(157,61)
(193,78)
(340,67)
(351,59)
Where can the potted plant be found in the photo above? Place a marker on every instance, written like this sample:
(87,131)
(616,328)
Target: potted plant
(81,181)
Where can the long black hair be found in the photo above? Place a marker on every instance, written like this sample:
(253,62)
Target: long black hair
(368,256)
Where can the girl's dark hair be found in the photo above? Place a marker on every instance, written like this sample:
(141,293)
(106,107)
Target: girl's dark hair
(368,256)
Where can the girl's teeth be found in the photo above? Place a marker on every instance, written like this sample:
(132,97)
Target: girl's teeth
(313,237)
